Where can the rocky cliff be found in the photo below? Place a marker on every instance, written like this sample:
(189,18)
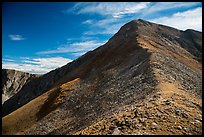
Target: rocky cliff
(146,75)
(13,81)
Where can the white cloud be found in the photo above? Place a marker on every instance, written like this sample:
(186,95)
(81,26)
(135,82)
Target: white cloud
(77,48)
(120,9)
(162,6)
(77,54)
(88,22)
(106,29)
(190,19)
(103,27)
(83,38)
(103,22)
(116,14)
(36,65)
(107,25)
(16,37)
(9,60)
(114,9)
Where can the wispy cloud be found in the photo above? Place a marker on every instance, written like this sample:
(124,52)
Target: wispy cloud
(76,49)
(9,60)
(120,9)
(16,37)
(190,19)
(162,6)
(35,65)
(88,22)
(106,29)
(113,9)
(107,25)
(82,38)
(115,14)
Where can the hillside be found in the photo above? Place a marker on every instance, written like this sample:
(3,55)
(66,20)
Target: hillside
(147,79)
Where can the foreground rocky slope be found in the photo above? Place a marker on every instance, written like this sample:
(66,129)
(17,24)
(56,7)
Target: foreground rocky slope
(13,81)
(169,111)
(148,71)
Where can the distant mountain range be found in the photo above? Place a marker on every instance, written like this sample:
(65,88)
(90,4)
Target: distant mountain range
(147,79)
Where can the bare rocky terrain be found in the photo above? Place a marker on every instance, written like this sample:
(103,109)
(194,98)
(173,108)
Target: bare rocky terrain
(147,79)
(13,81)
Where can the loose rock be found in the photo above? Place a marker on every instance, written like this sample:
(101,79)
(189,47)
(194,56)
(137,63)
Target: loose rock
(142,120)
(179,127)
(116,131)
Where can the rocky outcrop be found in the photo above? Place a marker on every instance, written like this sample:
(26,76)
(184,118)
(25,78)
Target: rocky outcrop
(13,81)
(141,60)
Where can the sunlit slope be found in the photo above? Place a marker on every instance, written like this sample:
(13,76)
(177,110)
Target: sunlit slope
(36,109)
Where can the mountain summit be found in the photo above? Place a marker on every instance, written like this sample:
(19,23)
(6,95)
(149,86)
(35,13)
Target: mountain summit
(147,79)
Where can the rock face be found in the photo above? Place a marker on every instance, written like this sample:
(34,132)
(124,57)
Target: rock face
(13,81)
(143,62)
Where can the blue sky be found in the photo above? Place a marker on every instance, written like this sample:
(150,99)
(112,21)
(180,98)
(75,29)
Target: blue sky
(38,37)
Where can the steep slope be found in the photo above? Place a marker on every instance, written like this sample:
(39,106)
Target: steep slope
(13,81)
(134,65)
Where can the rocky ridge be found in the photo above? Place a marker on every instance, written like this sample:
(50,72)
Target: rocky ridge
(134,66)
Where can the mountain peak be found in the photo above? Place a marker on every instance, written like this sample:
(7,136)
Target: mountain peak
(130,28)
(141,22)
(145,68)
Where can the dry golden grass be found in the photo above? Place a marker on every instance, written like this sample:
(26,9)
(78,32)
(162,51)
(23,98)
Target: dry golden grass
(29,114)
(23,117)
(184,57)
